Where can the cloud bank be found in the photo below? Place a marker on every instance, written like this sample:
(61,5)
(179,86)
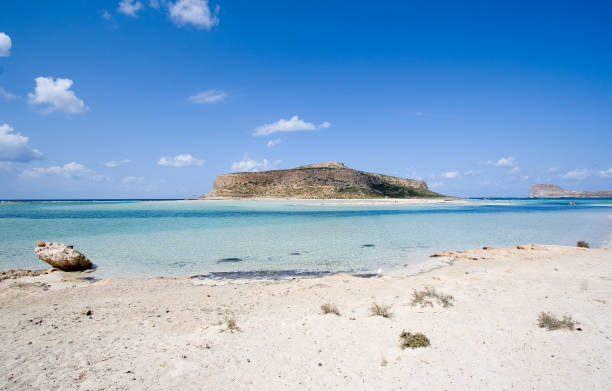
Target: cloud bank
(69,171)
(208,97)
(184,160)
(116,163)
(251,165)
(295,124)
(506,162)
(56,95)
(272,143)
(14,147)
(193,12)
(129,7)
(5,45)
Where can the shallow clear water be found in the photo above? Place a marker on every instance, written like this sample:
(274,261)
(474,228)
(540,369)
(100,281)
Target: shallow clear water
(170,238)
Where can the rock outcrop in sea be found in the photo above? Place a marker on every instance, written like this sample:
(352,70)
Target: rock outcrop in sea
(318,181)
(554,191)
(62,256)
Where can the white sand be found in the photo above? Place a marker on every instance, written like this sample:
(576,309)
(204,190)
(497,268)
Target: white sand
(163,334)
(349,201)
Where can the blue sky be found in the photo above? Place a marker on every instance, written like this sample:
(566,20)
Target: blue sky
(155,98)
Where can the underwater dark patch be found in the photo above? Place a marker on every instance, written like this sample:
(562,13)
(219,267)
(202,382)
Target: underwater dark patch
(230,260)
(181,264)
(275,274)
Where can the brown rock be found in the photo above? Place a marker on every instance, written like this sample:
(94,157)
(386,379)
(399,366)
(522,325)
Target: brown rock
(63,257)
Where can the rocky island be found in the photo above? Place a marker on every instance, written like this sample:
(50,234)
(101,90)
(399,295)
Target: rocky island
(554,191)
(317,181)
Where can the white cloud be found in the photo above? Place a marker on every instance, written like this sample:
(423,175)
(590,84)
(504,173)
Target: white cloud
(506,162)
(106,15)
(70,171)
(5,45)
(250,165)
(577,174)
(14,147)
(436,185)
(515,170)
(57,95)
(272,143)
(552,170)
(416,113)
(294,124)
(128,180)
(180,161)
(129,7)
(154,4)
(606,173)
(7,95)
(194,12)
(450,174)
(210,97)
(116,163)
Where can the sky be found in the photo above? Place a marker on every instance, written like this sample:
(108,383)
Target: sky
(154,99)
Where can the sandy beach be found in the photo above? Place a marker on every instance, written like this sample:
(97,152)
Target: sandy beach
(161,334)
(342,201)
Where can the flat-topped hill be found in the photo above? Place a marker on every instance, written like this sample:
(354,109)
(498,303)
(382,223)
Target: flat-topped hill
(320,180)
(554,191)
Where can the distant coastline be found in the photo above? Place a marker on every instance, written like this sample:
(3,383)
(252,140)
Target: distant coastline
(18,201)
(554,191)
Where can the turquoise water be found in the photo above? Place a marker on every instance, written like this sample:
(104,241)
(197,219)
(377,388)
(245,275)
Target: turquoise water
(172,238)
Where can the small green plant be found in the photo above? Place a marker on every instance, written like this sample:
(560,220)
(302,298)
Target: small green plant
(582,243)
(549,321)
(380,310)
(427,296)
(413,341)
(329,308)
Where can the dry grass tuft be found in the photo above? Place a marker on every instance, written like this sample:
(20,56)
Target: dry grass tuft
(551,322)
(329,308)
(582,243)
(380,310)
(413,341)
(231,324)
(426,298)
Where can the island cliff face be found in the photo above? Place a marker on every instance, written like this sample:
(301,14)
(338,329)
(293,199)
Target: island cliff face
(321,180)
(554,191)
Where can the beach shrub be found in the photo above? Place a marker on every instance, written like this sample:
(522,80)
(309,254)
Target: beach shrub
(231,324)
(582,243)
(549,321)
(380,310)
(427,296)
(329,308)
(413,341)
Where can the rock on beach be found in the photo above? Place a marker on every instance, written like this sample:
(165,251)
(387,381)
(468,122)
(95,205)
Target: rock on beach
(62,256)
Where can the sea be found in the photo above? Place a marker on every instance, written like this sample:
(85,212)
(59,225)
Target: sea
(165,238)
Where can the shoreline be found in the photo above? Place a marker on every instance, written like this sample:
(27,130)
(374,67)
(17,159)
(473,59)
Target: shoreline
(174,333)
(406,268)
